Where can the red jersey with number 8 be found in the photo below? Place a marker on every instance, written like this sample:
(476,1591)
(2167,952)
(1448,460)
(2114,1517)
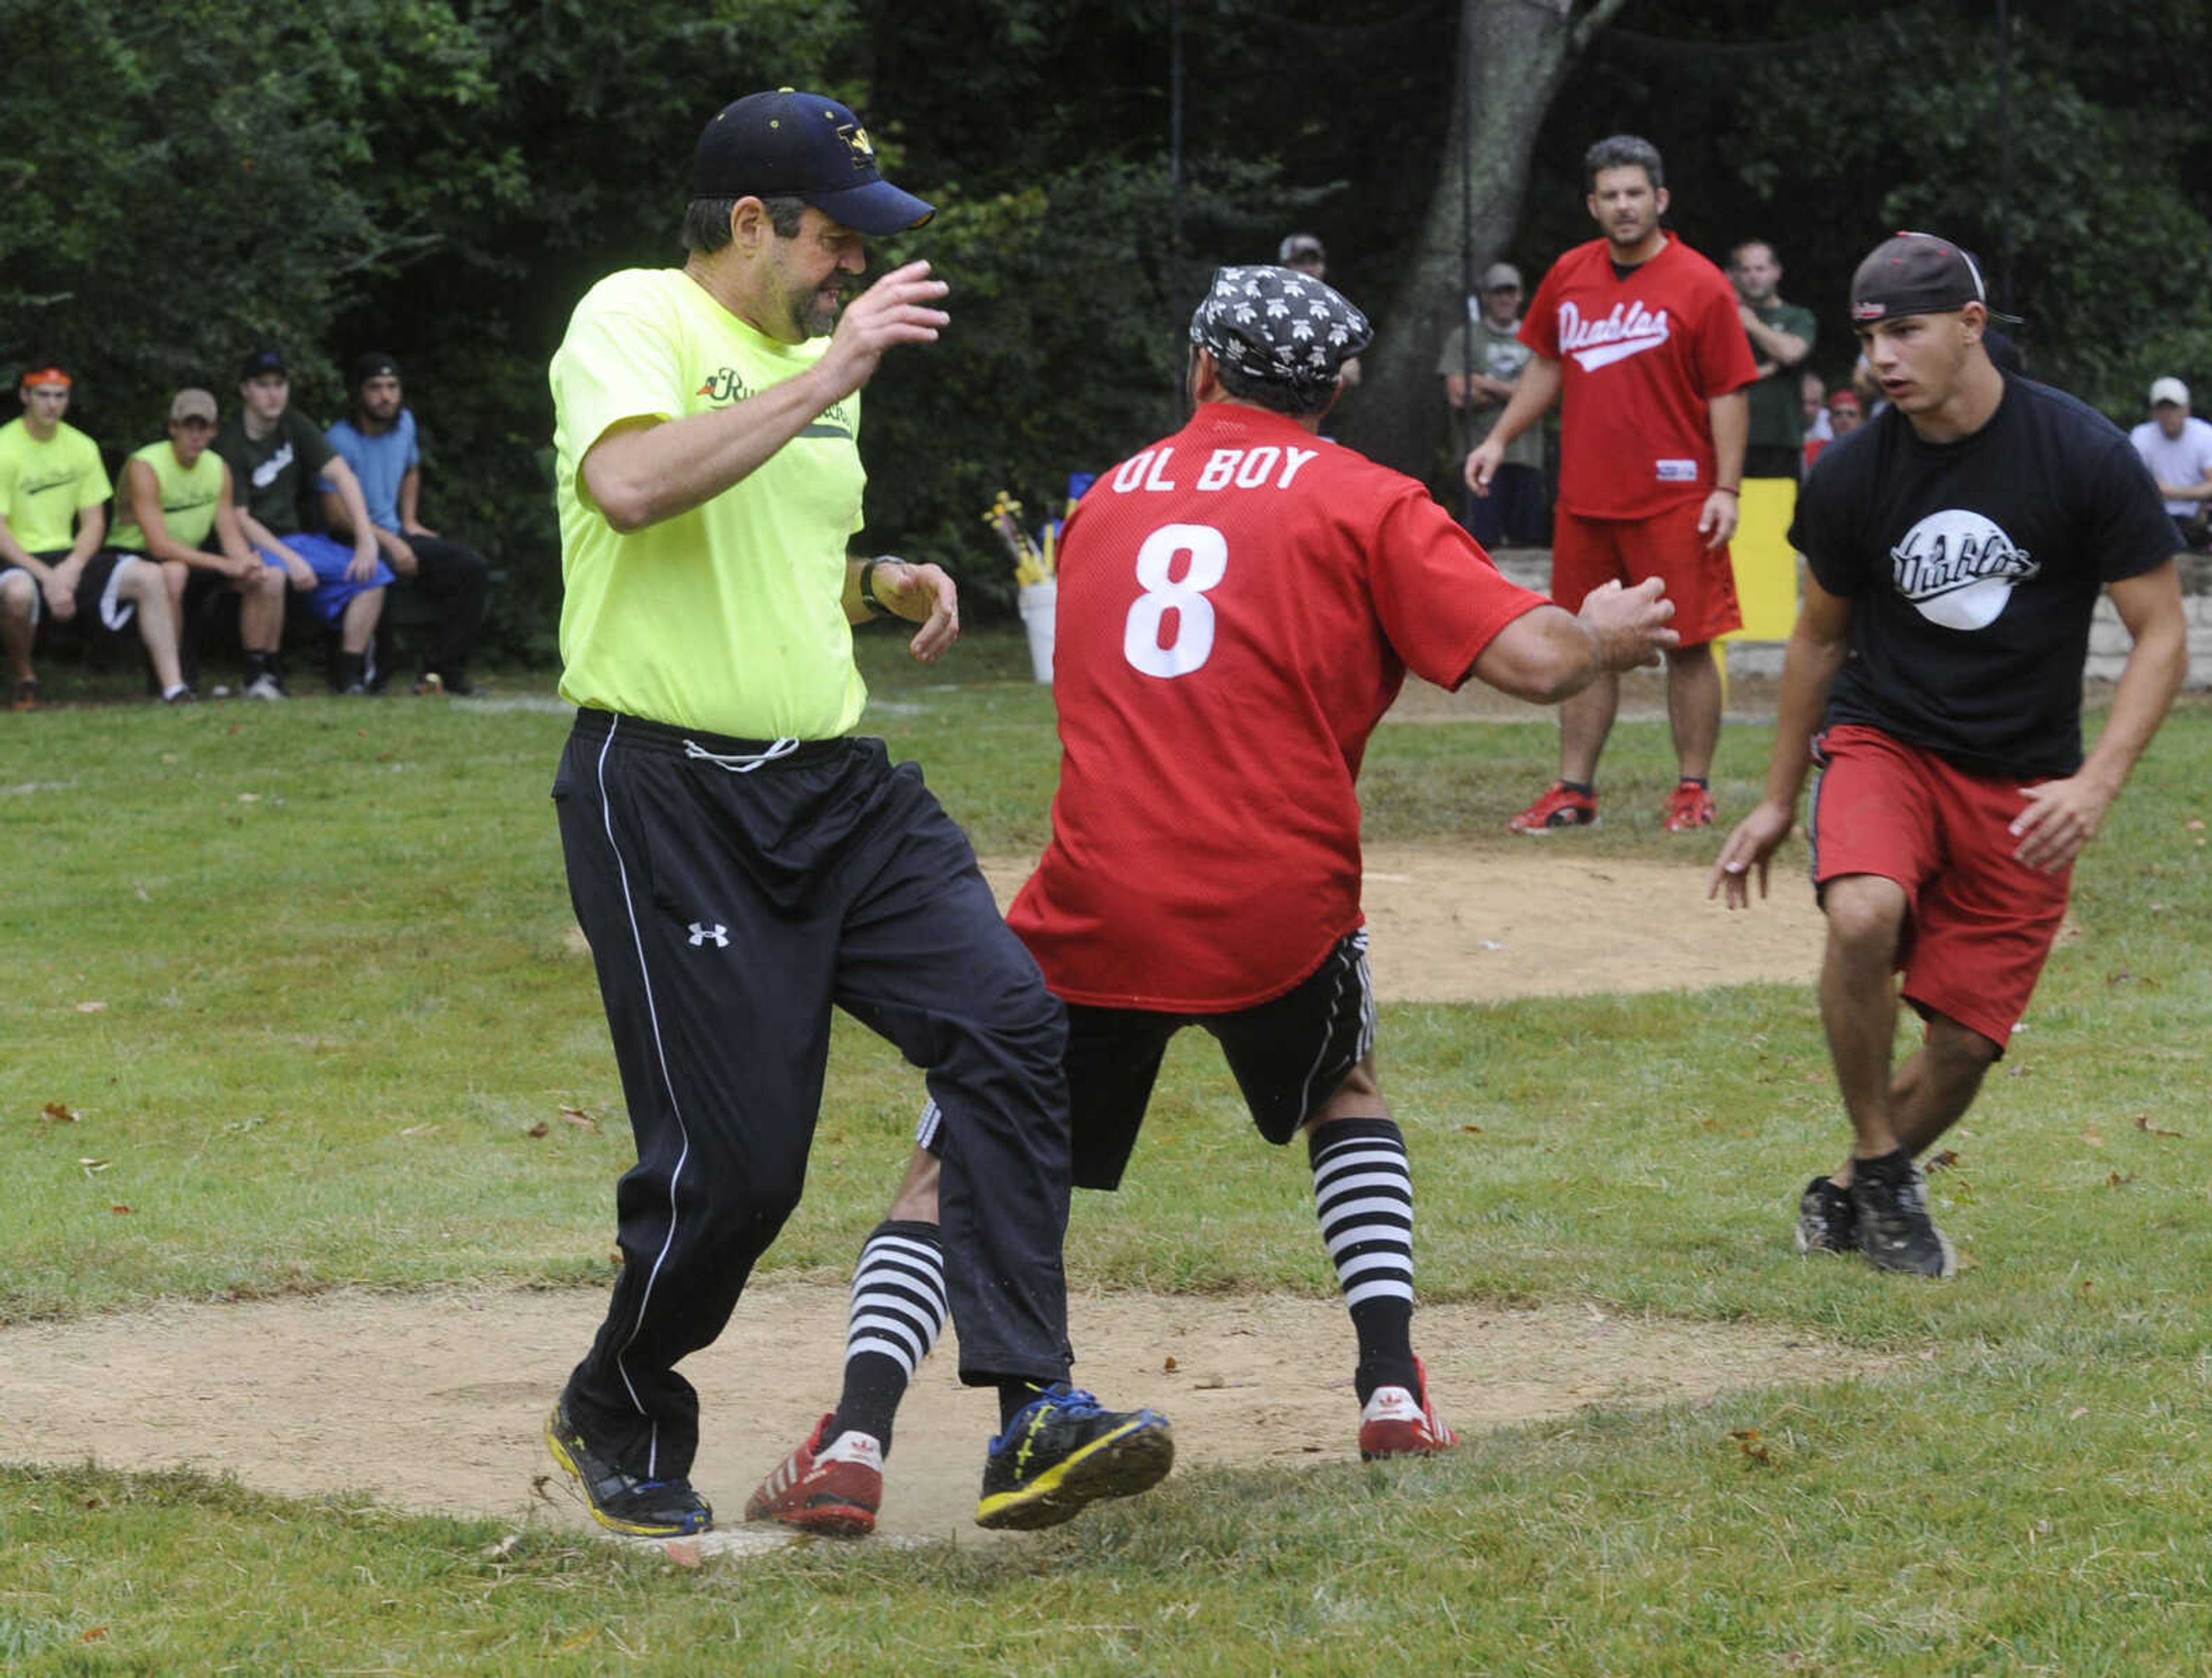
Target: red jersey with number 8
(1238,606)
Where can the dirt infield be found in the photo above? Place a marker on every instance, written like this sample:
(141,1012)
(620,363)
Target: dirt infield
(434,1403)
(451,1388)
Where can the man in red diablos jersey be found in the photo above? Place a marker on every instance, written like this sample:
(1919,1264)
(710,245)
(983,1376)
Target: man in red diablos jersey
(1243,599)
(1639,337)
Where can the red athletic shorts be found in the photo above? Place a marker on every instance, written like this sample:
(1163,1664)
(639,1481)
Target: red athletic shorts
(1979,925)
(1588,553)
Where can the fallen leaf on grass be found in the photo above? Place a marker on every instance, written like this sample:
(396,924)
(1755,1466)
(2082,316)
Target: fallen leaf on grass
(1942,1162)
(141,894)
(2077,1413)
(56,1112)
(541,1128)
(249,797)
(92,1007)
(2195,824)
(1472,1129)
(2116,1180)
(120,1211)
(2092,1138)
(2143,1124)
(578,1117)
(419,1130)
(96,1634)
(93,1166)
(505,1545)
(1747,1441)
(684,1553)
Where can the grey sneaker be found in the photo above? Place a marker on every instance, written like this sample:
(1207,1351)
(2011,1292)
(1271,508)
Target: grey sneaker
(265,686)
(1827,1222)
(1895,1231)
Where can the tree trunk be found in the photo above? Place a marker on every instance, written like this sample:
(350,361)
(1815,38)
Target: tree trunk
(1513,56)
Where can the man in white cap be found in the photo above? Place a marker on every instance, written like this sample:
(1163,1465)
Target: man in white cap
(1480,364)
(2177,449)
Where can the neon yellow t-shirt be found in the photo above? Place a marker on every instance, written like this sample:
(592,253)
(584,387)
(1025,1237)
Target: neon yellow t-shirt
(43,485)
(189,495)
(728,618)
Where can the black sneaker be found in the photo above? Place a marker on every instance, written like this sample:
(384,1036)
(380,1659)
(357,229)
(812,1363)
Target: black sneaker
(620,1502)
(1827,1222)
(1895,1231)
(1063,1451)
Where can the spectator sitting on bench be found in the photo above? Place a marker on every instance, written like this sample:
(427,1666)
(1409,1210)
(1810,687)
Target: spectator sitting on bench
(271,452)
(377,439)
(176,495)
(53,491)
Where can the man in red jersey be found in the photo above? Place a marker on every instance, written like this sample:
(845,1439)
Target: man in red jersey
(1640,337)
(1243,601)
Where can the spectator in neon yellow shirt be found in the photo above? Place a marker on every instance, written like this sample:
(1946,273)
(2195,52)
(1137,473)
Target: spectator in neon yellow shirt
(53,522)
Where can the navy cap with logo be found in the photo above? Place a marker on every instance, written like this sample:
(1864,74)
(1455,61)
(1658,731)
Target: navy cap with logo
(1918,273)
(261,362)
(800,145)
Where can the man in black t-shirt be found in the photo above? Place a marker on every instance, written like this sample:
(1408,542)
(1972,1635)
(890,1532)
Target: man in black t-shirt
(1956,546)
(274,453)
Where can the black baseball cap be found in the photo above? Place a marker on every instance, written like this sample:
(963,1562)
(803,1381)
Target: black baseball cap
(374,365)
(800,145)
(1918,273)
(261,362)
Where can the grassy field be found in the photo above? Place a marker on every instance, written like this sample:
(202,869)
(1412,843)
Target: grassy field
(291,1004)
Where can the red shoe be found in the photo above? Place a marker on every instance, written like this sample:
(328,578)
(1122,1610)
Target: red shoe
(1559,808)
(1689,807)
(1398,1423)
(835,1492)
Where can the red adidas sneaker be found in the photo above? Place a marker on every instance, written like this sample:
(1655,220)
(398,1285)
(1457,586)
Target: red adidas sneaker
(1398,1423)
(1560,806)
(833,1490)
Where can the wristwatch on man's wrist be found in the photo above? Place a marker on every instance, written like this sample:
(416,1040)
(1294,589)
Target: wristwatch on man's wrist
(868,588)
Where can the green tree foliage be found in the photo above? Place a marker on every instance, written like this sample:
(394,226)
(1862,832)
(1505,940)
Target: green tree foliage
(443,179)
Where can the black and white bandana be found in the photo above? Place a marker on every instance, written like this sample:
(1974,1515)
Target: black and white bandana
(1281,326)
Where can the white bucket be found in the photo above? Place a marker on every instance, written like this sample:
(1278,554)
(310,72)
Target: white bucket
(1038,601)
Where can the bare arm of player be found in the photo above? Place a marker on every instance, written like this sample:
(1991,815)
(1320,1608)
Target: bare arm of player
(2062,817)
(643,471)
(1730,417)
(1550,654)
(1818,646)
(1533,392)
(921,594)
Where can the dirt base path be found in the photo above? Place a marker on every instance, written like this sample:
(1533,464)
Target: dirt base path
(435,1402)
(1453,925)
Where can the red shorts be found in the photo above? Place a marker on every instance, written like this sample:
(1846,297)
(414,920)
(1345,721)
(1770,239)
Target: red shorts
(1979,925)
(1588,553)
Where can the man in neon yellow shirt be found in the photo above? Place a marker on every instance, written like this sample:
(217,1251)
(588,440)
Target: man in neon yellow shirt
(53,520)
(176,496)
(740,863)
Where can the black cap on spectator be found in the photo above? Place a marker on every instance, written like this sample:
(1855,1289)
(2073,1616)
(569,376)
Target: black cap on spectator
(373,365)
(261,362)
(791,144)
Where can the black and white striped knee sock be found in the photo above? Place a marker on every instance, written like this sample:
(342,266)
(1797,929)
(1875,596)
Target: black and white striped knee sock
(897,1312)
(1363,1196)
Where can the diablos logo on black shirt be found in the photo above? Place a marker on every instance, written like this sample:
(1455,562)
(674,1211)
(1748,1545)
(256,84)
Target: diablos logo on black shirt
(1958,569)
